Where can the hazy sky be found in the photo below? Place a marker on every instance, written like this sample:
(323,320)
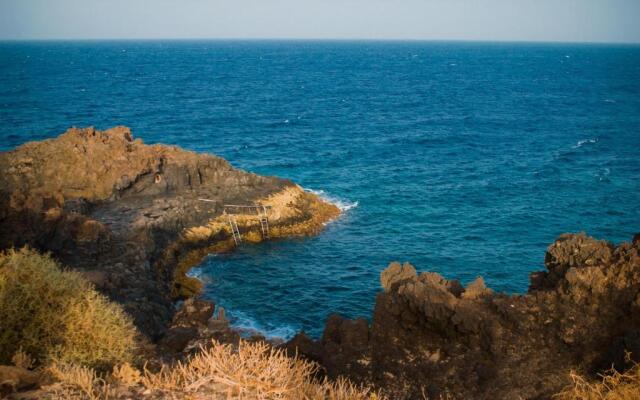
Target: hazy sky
(532,20)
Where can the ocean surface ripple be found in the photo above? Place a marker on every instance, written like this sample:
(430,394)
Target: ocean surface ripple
(463,158)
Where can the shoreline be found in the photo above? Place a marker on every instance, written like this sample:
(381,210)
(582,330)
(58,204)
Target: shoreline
(432,335)
(222,242)
(127,216)
(249,329)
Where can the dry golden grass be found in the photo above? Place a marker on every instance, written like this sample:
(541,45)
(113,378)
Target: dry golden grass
(613,386)
(22,360)
(253,371)
(77,382)
(56,315)
(126,374)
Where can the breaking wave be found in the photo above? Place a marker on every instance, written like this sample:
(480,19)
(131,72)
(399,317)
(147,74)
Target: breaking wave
(342,204)
(248,326)
(583,142)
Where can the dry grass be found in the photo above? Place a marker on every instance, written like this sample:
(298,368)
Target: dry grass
(253,371)
(613,386)
(77,382)
(126,374)
(59,318)
(56,315)
(22,360)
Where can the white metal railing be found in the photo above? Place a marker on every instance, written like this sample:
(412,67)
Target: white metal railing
(260,210)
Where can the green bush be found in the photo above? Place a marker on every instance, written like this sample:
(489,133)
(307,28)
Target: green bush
(56,315)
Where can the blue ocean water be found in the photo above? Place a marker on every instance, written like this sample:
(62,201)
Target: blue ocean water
(463,158)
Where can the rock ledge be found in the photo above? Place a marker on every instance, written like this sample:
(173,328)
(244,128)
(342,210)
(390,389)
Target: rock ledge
(432,335)
(129,215)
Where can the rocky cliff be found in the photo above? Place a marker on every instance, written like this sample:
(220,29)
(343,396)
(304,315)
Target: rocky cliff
(132,219)
(131,216)
(431,336)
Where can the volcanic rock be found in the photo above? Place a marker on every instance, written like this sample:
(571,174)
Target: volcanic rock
(430,336)
(132,217)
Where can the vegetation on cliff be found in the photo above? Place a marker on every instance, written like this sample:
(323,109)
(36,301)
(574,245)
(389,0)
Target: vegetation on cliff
(251,371)
(55,314)
(613,385)
(132,222)
(62,335)
(131,215)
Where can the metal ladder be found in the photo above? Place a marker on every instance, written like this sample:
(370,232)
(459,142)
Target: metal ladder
(264,223)
(234,230)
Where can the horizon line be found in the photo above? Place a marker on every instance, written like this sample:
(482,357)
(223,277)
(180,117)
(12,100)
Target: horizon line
(313,39)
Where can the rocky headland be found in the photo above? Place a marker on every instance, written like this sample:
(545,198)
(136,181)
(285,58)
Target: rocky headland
(133,218)
(432,337)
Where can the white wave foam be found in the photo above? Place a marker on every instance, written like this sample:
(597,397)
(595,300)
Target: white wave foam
(343,205)
(248,326)
(583,142)
(199,272)
(195,272)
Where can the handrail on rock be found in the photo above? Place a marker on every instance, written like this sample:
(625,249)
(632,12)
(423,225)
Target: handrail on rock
(260,210)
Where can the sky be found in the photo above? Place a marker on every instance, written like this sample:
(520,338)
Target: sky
(493,20)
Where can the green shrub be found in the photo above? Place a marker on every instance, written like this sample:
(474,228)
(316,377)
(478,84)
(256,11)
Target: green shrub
(56,315)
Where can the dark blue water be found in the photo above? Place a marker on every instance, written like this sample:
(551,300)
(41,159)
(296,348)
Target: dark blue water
(463,158)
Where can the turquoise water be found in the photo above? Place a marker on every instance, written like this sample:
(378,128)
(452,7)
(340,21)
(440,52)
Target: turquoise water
(463,158)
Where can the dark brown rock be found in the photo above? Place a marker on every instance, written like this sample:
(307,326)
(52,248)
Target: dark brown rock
(430,336)
(177,338)
(194,313)
(105,203)
(396,273)
(574,251)
(301,344)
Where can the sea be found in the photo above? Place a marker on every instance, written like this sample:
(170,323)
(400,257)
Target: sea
(463,158)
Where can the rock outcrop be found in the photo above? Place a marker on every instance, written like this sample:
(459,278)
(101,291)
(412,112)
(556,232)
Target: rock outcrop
(14,378)
(431,336)
(130,216)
